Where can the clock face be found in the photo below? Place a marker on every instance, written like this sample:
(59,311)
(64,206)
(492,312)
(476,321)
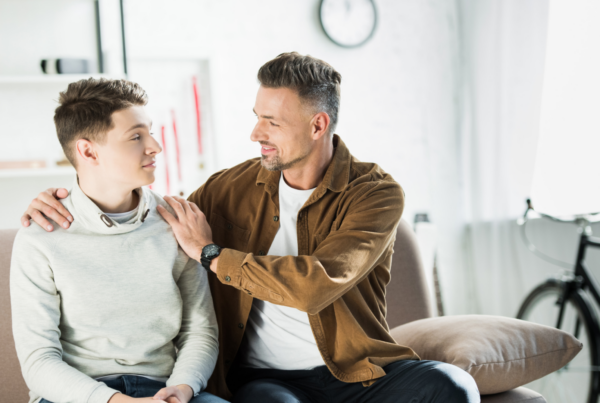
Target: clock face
(348,23)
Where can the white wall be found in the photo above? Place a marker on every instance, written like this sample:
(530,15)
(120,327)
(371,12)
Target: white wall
(399,91)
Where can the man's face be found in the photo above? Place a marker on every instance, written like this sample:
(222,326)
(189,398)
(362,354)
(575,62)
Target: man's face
(128,154)
(283,128)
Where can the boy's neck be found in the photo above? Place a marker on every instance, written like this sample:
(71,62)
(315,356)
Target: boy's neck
(109,199)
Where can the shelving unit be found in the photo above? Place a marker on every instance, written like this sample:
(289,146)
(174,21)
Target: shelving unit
(37,172)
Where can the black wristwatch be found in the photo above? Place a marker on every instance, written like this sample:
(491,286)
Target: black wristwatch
(209,252)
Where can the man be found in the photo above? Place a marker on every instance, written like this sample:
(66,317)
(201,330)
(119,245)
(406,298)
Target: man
(100,313)
(300,243)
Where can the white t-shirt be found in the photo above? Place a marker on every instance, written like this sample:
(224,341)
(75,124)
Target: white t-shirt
(280,337)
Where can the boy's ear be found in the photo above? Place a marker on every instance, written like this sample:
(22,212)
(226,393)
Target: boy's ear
(86,152)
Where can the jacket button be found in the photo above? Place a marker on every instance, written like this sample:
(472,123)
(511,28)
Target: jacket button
(227,278)
(276,218)
(241,325)
(261,253)
(229,226)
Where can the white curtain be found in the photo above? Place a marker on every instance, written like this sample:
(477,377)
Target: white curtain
(503,47)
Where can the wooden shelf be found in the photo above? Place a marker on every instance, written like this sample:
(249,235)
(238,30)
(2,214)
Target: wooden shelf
(36,172)
(48,78)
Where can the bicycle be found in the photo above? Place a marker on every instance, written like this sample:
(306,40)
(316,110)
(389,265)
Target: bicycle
(565,303)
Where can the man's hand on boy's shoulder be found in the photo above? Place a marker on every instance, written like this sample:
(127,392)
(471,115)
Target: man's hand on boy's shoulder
(46,204)
(189,225)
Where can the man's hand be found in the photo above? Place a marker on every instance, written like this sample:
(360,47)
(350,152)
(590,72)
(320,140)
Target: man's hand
(190,226)
(47,204)
(175,394)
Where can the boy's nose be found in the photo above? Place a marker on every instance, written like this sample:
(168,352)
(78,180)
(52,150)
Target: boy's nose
(154,147)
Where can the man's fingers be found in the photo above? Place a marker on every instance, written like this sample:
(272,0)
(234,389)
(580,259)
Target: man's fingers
(196,209)
(61,193)
(50,200)
(41,220)
(25,220)
(49,212)
(169,218)
(184,203)
(176,206)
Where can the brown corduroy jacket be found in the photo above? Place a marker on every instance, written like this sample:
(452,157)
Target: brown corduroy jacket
(346,231)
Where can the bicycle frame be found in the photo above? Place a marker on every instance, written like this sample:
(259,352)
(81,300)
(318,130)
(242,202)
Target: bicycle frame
(589,281)
(583,278)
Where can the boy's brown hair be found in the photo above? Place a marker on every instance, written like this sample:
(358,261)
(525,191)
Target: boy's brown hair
(85,110)
(315,81)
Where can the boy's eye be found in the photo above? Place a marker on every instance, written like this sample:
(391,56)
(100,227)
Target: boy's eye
(137,137)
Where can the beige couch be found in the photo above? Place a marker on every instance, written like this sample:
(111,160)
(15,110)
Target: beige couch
(407,302)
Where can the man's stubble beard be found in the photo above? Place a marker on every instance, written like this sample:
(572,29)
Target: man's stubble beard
(278,165)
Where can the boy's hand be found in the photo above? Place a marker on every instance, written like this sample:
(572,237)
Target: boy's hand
(47,204)
(121,398)
(190,226)
(175,394)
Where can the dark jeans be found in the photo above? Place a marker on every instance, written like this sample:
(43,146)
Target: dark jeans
(405,381)
(137,386)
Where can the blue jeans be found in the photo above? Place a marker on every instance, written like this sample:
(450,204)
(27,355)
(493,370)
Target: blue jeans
(137,386)
(404,382)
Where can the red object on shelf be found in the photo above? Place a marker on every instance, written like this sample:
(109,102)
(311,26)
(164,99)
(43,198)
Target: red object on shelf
(176,145)
(164,146)
(197,105)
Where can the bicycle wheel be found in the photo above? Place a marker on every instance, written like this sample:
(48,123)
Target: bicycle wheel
(579,380)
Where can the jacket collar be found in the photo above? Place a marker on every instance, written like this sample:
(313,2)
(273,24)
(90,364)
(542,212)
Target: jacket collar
(96,221)
(336,176)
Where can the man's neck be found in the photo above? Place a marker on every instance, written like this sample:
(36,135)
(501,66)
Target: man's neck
(109,199)
(310,172)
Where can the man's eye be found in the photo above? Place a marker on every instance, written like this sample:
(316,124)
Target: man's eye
(273,124)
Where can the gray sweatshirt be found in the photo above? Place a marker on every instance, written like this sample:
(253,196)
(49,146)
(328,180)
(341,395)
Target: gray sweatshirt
(103,298)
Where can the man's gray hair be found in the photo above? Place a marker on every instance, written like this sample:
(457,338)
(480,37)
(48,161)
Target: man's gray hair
(317,83)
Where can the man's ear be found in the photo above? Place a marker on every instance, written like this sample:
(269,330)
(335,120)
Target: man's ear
(320,125)
(86,152)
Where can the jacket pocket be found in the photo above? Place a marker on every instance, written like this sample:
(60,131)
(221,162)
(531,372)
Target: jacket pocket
(228,235)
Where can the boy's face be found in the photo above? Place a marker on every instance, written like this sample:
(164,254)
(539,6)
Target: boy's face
(127,156)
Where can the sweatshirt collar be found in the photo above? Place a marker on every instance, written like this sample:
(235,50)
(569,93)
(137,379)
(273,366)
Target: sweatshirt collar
(96,221)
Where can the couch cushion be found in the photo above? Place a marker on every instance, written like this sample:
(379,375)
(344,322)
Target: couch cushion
(500,353)
(517,395)
(12,387)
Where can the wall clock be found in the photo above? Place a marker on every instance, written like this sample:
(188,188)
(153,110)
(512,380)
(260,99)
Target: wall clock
(348,23)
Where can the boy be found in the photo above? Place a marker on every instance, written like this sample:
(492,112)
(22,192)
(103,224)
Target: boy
(110,309)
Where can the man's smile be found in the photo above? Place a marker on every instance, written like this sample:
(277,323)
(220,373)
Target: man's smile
(265,150)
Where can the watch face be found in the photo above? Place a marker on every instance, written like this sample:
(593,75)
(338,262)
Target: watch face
(211,250)
(348,23)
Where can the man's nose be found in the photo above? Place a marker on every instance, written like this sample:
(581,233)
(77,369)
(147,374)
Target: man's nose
(258,134)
